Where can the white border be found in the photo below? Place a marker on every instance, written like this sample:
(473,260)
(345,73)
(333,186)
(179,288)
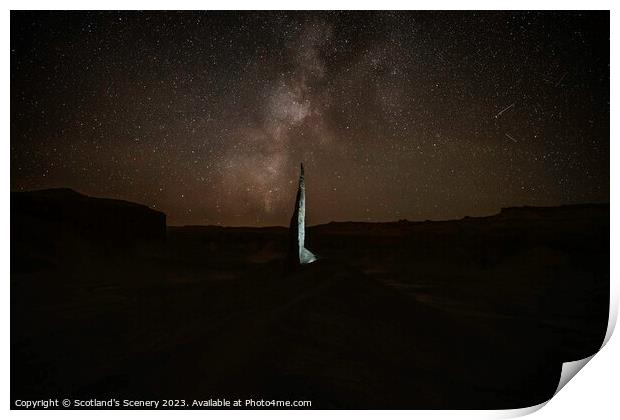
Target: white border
(593,394)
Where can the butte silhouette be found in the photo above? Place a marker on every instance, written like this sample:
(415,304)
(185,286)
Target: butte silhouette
(298,254)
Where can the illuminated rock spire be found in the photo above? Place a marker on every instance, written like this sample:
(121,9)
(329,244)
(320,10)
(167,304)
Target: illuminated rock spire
(298,254)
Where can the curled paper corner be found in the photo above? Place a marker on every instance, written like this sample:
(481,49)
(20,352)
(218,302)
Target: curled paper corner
(570,369)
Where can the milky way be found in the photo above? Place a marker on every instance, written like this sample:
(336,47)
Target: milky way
(418,115)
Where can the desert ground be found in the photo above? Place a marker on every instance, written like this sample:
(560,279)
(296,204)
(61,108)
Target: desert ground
(109,302)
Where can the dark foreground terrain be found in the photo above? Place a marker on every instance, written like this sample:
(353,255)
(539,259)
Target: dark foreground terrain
(106,302)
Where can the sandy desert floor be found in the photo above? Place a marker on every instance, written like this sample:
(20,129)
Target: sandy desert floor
(476,313)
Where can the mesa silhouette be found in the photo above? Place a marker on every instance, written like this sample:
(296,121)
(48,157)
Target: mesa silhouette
(107,302)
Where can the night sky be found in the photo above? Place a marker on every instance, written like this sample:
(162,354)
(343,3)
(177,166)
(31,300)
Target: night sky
(396,115)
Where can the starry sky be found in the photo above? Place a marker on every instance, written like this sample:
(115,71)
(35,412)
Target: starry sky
(396,115)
